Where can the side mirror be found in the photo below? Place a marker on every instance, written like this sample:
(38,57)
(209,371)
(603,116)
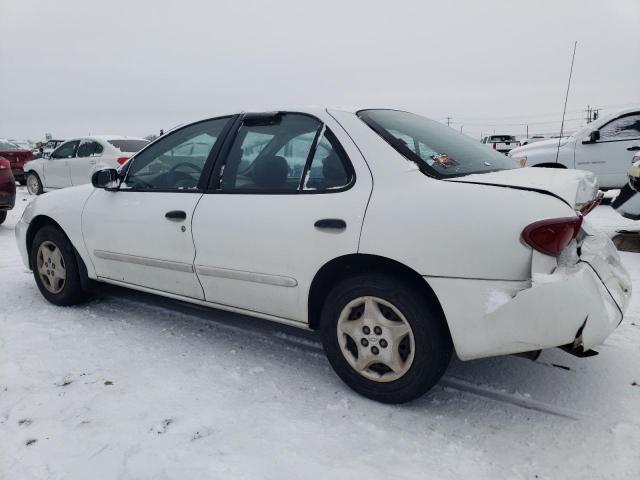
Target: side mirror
(107,178)
(634,176)
(593,137)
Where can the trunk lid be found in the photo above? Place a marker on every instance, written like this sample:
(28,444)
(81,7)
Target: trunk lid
(17,157)
(576,187)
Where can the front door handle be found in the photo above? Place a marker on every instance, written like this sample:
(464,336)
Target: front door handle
(332,223)
(176,215)
(635,148)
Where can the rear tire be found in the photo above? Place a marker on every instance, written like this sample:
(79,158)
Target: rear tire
(34,185)
(55,268)
(3,216)
(401,367)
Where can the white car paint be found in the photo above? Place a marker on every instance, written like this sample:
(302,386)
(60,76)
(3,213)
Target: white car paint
(609,157)
(57,173)
(259,254)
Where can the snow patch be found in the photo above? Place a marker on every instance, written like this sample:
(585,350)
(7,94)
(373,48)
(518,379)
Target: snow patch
(495,300)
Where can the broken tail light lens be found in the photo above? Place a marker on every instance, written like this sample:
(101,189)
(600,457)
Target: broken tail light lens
(551,236)
(592,204)
(122,160)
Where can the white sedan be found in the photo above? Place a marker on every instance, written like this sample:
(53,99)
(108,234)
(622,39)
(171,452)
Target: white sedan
(395,236)
(73,162)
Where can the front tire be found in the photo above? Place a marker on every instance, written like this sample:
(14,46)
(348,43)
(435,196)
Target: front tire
(55,267)
(34,185)
(3,216)
(384,339)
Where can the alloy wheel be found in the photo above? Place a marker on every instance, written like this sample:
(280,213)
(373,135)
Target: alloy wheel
(376,339)
(33,185)
(51,267)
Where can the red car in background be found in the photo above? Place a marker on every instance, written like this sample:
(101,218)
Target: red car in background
(17,157)
(7,189)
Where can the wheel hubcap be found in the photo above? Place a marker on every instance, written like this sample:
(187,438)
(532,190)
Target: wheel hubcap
(51,268)
(376,339)
(32,184)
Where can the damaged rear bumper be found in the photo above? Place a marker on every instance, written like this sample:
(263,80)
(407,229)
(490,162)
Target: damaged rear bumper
(577,299)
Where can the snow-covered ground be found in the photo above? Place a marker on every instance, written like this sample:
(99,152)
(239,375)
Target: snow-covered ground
(134,386)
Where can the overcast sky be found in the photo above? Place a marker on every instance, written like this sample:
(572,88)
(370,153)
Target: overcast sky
(74,67)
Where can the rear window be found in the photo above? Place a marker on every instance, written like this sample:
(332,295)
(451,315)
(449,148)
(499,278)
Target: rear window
(8,146)
(502,138)
(438,150)
(129,146)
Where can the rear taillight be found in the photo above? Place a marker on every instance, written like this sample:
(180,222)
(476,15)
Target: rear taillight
(553,235)
(592,204)
(494,146)
(122,160)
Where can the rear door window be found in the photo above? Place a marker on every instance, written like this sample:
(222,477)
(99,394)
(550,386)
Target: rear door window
(89,148)
(285,153)
(269,155)
(129,146)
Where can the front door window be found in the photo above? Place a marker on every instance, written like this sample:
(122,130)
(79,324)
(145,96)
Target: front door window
(177,161)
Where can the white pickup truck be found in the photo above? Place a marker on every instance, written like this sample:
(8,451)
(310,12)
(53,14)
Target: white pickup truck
(501,143)
(604,147)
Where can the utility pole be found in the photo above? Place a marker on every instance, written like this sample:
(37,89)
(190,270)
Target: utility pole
(527,132)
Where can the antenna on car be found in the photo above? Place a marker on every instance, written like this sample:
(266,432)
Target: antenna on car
(566,97)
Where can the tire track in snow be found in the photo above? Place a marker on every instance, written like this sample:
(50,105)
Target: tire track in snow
(503,397)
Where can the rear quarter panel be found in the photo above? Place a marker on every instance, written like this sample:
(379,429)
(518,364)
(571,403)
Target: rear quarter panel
(441,228)
(448,229)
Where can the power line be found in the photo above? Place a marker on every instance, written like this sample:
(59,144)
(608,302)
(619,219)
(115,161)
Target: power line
(512,117)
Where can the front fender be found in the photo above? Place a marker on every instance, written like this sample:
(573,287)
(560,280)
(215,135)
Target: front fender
(63,208)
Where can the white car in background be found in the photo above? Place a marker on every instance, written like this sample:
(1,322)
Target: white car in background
(73,162)
(603,147)
(501,143)
(395,236)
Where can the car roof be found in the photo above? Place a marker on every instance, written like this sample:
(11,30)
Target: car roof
(105,138)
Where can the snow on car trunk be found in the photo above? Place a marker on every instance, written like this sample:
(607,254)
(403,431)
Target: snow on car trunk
(576,187)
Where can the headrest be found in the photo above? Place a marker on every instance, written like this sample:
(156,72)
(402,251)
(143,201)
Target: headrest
(271,172)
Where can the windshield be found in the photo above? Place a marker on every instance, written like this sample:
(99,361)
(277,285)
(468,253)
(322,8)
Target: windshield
(129,145)
(438,150)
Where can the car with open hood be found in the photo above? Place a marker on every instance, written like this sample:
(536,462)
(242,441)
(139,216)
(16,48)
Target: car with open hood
(396,237)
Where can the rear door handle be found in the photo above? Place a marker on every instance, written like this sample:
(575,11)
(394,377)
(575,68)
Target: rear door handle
(176,215)
(635,148)
(332,223)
